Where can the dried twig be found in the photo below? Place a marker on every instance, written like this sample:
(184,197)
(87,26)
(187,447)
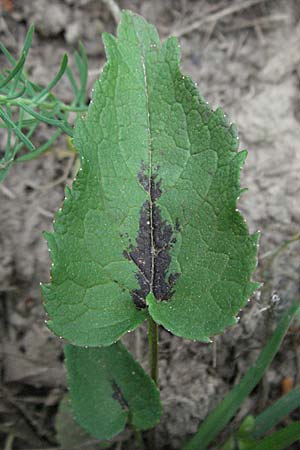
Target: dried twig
(114,9)
(266,20)
(9,441)
(238,6)
(35,426)
(8,193)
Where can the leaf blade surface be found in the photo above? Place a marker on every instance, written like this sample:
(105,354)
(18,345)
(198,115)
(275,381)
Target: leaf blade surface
(151,221)
(108,388)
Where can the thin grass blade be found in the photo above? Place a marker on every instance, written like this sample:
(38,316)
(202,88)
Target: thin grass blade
(276,412)
(280,440)
(225,411)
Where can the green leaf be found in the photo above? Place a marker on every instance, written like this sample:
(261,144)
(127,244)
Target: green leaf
(69,434)
(151,222)
(108,388)
(16,130)
(280,440)
(241,439)
(44,93)
(276,412)
(18,68)
(225,411)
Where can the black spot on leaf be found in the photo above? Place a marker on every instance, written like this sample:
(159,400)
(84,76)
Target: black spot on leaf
(117,395)
(151,253)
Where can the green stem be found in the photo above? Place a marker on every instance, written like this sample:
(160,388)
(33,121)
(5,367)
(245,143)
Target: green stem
(44,104)
(153,349)
(153,358)
(138,438)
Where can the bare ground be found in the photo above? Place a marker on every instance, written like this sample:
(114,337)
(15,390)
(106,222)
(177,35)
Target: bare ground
(246,60)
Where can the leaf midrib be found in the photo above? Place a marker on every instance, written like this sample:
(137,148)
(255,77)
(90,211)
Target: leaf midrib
(151,218)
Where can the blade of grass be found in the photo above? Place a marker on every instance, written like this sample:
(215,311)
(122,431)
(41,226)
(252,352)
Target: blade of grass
(225,411)
(276,412)
(280,440)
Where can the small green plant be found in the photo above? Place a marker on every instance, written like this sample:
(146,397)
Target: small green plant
(24,105)
(148,232)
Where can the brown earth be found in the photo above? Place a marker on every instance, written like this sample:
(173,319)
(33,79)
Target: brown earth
(248,61)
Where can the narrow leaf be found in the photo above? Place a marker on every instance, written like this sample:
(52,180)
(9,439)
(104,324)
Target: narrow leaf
(276,412)
(108,388)
(43,94)
(72,81)
(17,71)
(16,130)
(82,64)
(225,411)
(18,67)
(280,440)
(151,225)
(64,126)
(41,149)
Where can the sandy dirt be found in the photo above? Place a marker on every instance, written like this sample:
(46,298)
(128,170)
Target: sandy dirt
(246,61)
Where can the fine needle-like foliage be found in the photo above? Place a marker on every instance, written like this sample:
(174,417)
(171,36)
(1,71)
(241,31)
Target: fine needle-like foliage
(150,227)
(24,105)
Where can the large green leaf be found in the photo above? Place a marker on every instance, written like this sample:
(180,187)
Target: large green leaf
(108,388)
(151,222)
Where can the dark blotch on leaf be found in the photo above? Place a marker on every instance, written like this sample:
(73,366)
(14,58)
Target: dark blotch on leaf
(117,395)
(151,253)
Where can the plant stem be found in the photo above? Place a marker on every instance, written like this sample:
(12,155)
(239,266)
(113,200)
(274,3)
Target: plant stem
(153,359)
(138,438)
(44,104)
(153,349)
